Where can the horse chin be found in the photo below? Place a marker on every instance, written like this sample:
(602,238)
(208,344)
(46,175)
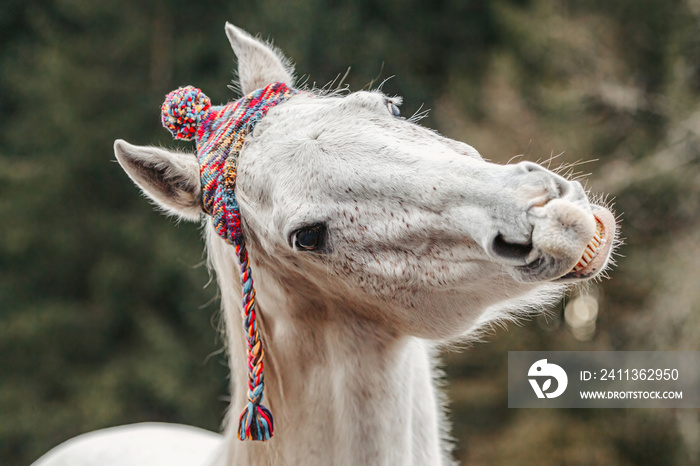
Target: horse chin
(588,261)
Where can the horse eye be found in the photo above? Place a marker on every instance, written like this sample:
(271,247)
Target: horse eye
(310,238)
(393,108)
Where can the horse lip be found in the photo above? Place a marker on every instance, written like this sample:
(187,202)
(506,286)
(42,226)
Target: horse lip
(533,265)
(606,220)
(541,267)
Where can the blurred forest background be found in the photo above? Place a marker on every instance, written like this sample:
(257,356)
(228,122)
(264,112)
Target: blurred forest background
(104,314)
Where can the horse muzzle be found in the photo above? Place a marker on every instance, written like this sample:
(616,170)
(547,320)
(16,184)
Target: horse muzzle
(569,239)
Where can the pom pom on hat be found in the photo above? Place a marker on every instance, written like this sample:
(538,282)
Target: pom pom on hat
(183,111)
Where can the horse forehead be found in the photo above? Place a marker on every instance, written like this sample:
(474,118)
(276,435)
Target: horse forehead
(362,118)
(354,125)
(315,143)
(307,113)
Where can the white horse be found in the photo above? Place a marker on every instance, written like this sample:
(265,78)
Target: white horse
(373,241)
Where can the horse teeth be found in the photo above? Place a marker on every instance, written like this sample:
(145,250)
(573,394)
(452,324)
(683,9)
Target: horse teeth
(592,248)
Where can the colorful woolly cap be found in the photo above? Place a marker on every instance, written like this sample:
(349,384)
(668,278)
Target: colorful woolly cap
(219,132)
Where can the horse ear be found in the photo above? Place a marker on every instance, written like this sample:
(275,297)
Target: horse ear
(259,63)
(170,179)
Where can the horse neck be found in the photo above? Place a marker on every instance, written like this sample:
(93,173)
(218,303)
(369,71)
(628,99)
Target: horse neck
(341,391)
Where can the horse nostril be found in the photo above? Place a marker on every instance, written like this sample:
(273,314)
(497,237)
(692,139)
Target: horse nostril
(562,186)
(515,252)
(530,167)
(558,186)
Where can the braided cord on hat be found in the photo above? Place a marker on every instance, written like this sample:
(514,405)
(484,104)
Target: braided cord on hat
(255,422)
(220,133)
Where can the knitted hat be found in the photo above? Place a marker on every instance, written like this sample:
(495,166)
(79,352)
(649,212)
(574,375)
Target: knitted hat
(219,132)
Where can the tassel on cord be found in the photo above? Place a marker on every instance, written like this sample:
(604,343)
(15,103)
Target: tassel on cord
(255,422)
